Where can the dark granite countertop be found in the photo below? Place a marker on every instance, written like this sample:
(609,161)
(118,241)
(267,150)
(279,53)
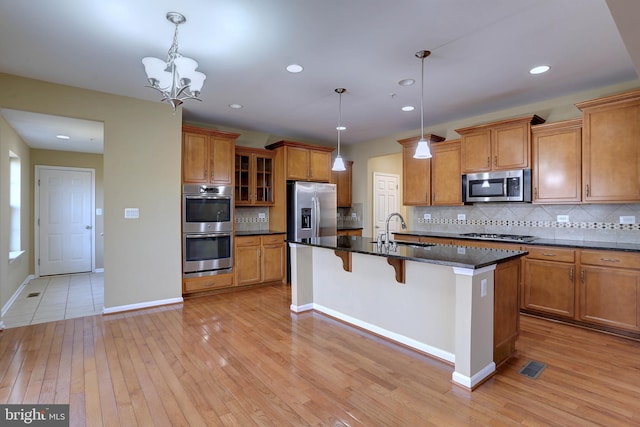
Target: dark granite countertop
(578,244)
(454,256)
(257,233)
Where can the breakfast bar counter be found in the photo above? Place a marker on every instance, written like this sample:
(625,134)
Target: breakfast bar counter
(439,299)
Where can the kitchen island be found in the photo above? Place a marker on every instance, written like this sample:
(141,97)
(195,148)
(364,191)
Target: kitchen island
(442,300)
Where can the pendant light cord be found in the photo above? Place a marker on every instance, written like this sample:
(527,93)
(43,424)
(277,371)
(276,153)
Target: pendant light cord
(422,101)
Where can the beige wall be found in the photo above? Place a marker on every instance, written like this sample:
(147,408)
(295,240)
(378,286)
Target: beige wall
(76,160)
(142,258)
(14,274)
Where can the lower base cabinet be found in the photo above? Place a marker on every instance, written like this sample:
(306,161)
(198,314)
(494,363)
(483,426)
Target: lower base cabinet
(349,232)
(206,283)
(259,259)
(506,310)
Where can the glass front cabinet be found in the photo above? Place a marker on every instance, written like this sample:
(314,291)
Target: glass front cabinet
(253,177)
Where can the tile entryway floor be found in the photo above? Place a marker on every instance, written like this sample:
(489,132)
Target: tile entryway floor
(51,298)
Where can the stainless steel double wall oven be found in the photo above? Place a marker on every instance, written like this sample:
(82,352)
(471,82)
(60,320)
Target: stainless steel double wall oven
(207,229)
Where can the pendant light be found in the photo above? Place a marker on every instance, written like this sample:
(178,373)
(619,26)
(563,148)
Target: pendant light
(338,164)
(422,150)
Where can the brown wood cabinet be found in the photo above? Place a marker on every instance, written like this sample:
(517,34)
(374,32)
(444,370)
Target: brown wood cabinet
(343,183)
(506,310)
(548,281)
(446,175)
(416,173)
(502,145)
(305,162)
(207,156)
(254,177)
(207,283)
(610,149)
(349,232)
(557,162)
(610,289)
(259,259)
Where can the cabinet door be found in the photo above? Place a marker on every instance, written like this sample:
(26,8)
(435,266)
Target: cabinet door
(416,178)
(319,165)
(342,180)
(610,297)
(476,151)
(221,160)
(242,182)
(611,153)
(297,163)
(195,157)
(263,179)
(446,176)
(273,257)
(557,162)
(247,265)
(549,287)
(510,146)
(506,310)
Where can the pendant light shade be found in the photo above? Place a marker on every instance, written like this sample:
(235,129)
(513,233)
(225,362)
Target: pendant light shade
(422,150)
(338,163)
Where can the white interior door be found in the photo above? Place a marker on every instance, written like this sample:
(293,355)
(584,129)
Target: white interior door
(64,220)
(385,201)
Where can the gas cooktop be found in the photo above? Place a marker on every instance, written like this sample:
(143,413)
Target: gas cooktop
(503,237)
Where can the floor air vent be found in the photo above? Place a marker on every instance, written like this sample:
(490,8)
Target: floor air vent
(33,294)
(532,369)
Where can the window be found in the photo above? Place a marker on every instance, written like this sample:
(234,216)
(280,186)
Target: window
(15,245)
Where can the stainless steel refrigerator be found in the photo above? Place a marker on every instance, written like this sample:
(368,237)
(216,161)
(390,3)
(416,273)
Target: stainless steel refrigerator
(311,210)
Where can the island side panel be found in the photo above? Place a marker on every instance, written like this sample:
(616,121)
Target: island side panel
(474,326)
(301,262)
(419,313)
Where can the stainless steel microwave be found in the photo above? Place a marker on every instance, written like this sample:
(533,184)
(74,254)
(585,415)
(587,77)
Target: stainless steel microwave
(497,186)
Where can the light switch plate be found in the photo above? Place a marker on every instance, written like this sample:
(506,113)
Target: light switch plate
(426,216)
(628,219)
(462,217)
(562,218)
(131,213)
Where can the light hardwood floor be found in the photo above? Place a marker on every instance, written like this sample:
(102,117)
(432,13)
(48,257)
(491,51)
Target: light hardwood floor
(243,359)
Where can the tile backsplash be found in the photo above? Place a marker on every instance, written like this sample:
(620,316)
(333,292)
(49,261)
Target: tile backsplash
(350,217)
(592,222)
(252,218)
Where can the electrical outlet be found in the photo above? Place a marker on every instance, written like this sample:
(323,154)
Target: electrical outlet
(629,219)
(462,217)
(262,215)
(562,218)
(461,250)
(354,215)
(483,288)
(426,216)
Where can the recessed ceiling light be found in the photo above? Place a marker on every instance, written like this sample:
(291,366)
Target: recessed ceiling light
(235,106)
(63,137)
(294,68)
(539,69)
(406,82)
(408,108)
(341,128)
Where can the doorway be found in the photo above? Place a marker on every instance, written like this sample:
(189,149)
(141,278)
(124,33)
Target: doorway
(64,220)
(386,200)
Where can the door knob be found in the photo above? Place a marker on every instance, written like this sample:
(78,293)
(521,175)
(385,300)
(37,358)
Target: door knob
(87,227)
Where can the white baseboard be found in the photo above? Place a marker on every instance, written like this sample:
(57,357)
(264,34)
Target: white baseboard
(15,295)
(471,382)
(129,307)
(99,270)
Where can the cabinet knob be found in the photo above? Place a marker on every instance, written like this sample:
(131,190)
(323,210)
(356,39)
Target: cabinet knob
(488,161)
(587,190)
(495,161)
(571,274)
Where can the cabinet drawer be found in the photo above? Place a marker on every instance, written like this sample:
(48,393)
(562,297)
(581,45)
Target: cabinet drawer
(611,259)
(274,239)
(551,254)
(195,284)
(248,241)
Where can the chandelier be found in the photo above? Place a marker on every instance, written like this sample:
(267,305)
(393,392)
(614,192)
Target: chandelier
(176,78)
(422,150)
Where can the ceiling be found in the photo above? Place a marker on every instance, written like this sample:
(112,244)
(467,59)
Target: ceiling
(481,54)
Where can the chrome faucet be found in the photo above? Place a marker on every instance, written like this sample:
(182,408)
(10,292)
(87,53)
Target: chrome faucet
(387,242)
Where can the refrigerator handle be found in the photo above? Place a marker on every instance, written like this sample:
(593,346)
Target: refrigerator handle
(316,229)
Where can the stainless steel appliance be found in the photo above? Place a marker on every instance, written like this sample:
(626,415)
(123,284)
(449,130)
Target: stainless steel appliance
(207,208)
(518,238)
(311,210)
(207,230)
(497,186)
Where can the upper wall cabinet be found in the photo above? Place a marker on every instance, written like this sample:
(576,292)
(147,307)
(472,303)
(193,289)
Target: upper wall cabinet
(304,162)
(254,177)
(557,162)
(207,156)
(503,145)
(446,182)
(611,149)
(416,173)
